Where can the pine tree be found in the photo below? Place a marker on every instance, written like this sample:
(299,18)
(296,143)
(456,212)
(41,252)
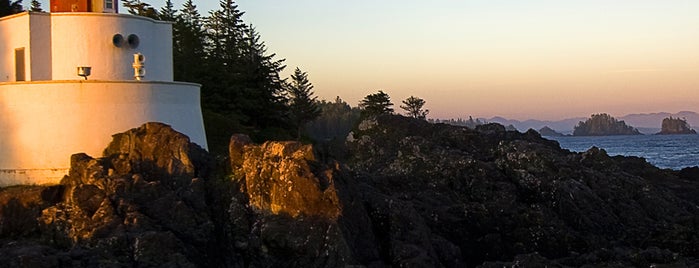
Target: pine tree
(376,104)
(245,78)
(225,29)
(303,106)
(136,7)
(224,34)
(167,12)
(35,6)
(8,7)
(413,106)
(189,50)
(262,87)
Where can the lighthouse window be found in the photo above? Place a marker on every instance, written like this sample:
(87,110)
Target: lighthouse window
(133,40)
(118,40)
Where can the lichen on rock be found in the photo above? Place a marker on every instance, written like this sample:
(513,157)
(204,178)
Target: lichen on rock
(284,178)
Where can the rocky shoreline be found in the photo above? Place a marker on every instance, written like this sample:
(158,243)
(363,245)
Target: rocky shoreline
(403,192)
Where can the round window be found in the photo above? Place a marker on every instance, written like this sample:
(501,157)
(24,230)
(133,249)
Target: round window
(133,41)
(118,40)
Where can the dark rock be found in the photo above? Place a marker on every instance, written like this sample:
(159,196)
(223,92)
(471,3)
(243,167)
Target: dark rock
(524,260)
(690,173)
(500,195)
(20,206)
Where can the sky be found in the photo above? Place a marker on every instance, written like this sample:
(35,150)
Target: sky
(520,59)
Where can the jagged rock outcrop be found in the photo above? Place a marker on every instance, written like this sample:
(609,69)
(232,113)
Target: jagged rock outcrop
(279,178)
(305,211)
(142,204)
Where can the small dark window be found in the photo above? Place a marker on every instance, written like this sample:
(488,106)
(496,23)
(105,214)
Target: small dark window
(118,40)
(133,41)
(19,64)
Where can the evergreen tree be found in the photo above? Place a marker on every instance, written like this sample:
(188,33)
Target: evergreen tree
(224,34)
(263,88)
(136,7)
(303,106)
(8,7)
(35,6)
(376,104)
(245,79)
(225,30)
(189,50)
(168,12)
(413,106)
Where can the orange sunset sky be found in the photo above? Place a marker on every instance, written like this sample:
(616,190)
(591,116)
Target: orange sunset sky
(517,59)
(520,59)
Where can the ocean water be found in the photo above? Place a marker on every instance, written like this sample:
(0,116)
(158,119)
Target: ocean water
(664,151)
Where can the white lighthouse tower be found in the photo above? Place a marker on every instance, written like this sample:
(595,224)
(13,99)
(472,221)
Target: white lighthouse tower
(71,78)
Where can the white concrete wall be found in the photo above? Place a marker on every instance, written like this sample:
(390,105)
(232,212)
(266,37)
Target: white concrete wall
(40,47)
(85,39)
(14,33)
(43,123)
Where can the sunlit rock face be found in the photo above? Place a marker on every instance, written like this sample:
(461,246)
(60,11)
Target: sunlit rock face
(305,212)
(142,204)
(284,178)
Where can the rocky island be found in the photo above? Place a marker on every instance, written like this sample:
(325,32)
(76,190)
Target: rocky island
(675,126)
(402,193)
(603,125)
(549,132)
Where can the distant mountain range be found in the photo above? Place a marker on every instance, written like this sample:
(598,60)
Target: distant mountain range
(646,123)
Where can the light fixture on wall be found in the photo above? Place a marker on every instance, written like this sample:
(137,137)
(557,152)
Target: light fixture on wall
(139,66)
(84,71)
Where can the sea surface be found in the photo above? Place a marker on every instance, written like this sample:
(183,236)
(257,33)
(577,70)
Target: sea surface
(664,151)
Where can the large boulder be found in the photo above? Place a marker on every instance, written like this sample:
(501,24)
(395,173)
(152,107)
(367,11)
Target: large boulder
(142,204)
(280,178)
